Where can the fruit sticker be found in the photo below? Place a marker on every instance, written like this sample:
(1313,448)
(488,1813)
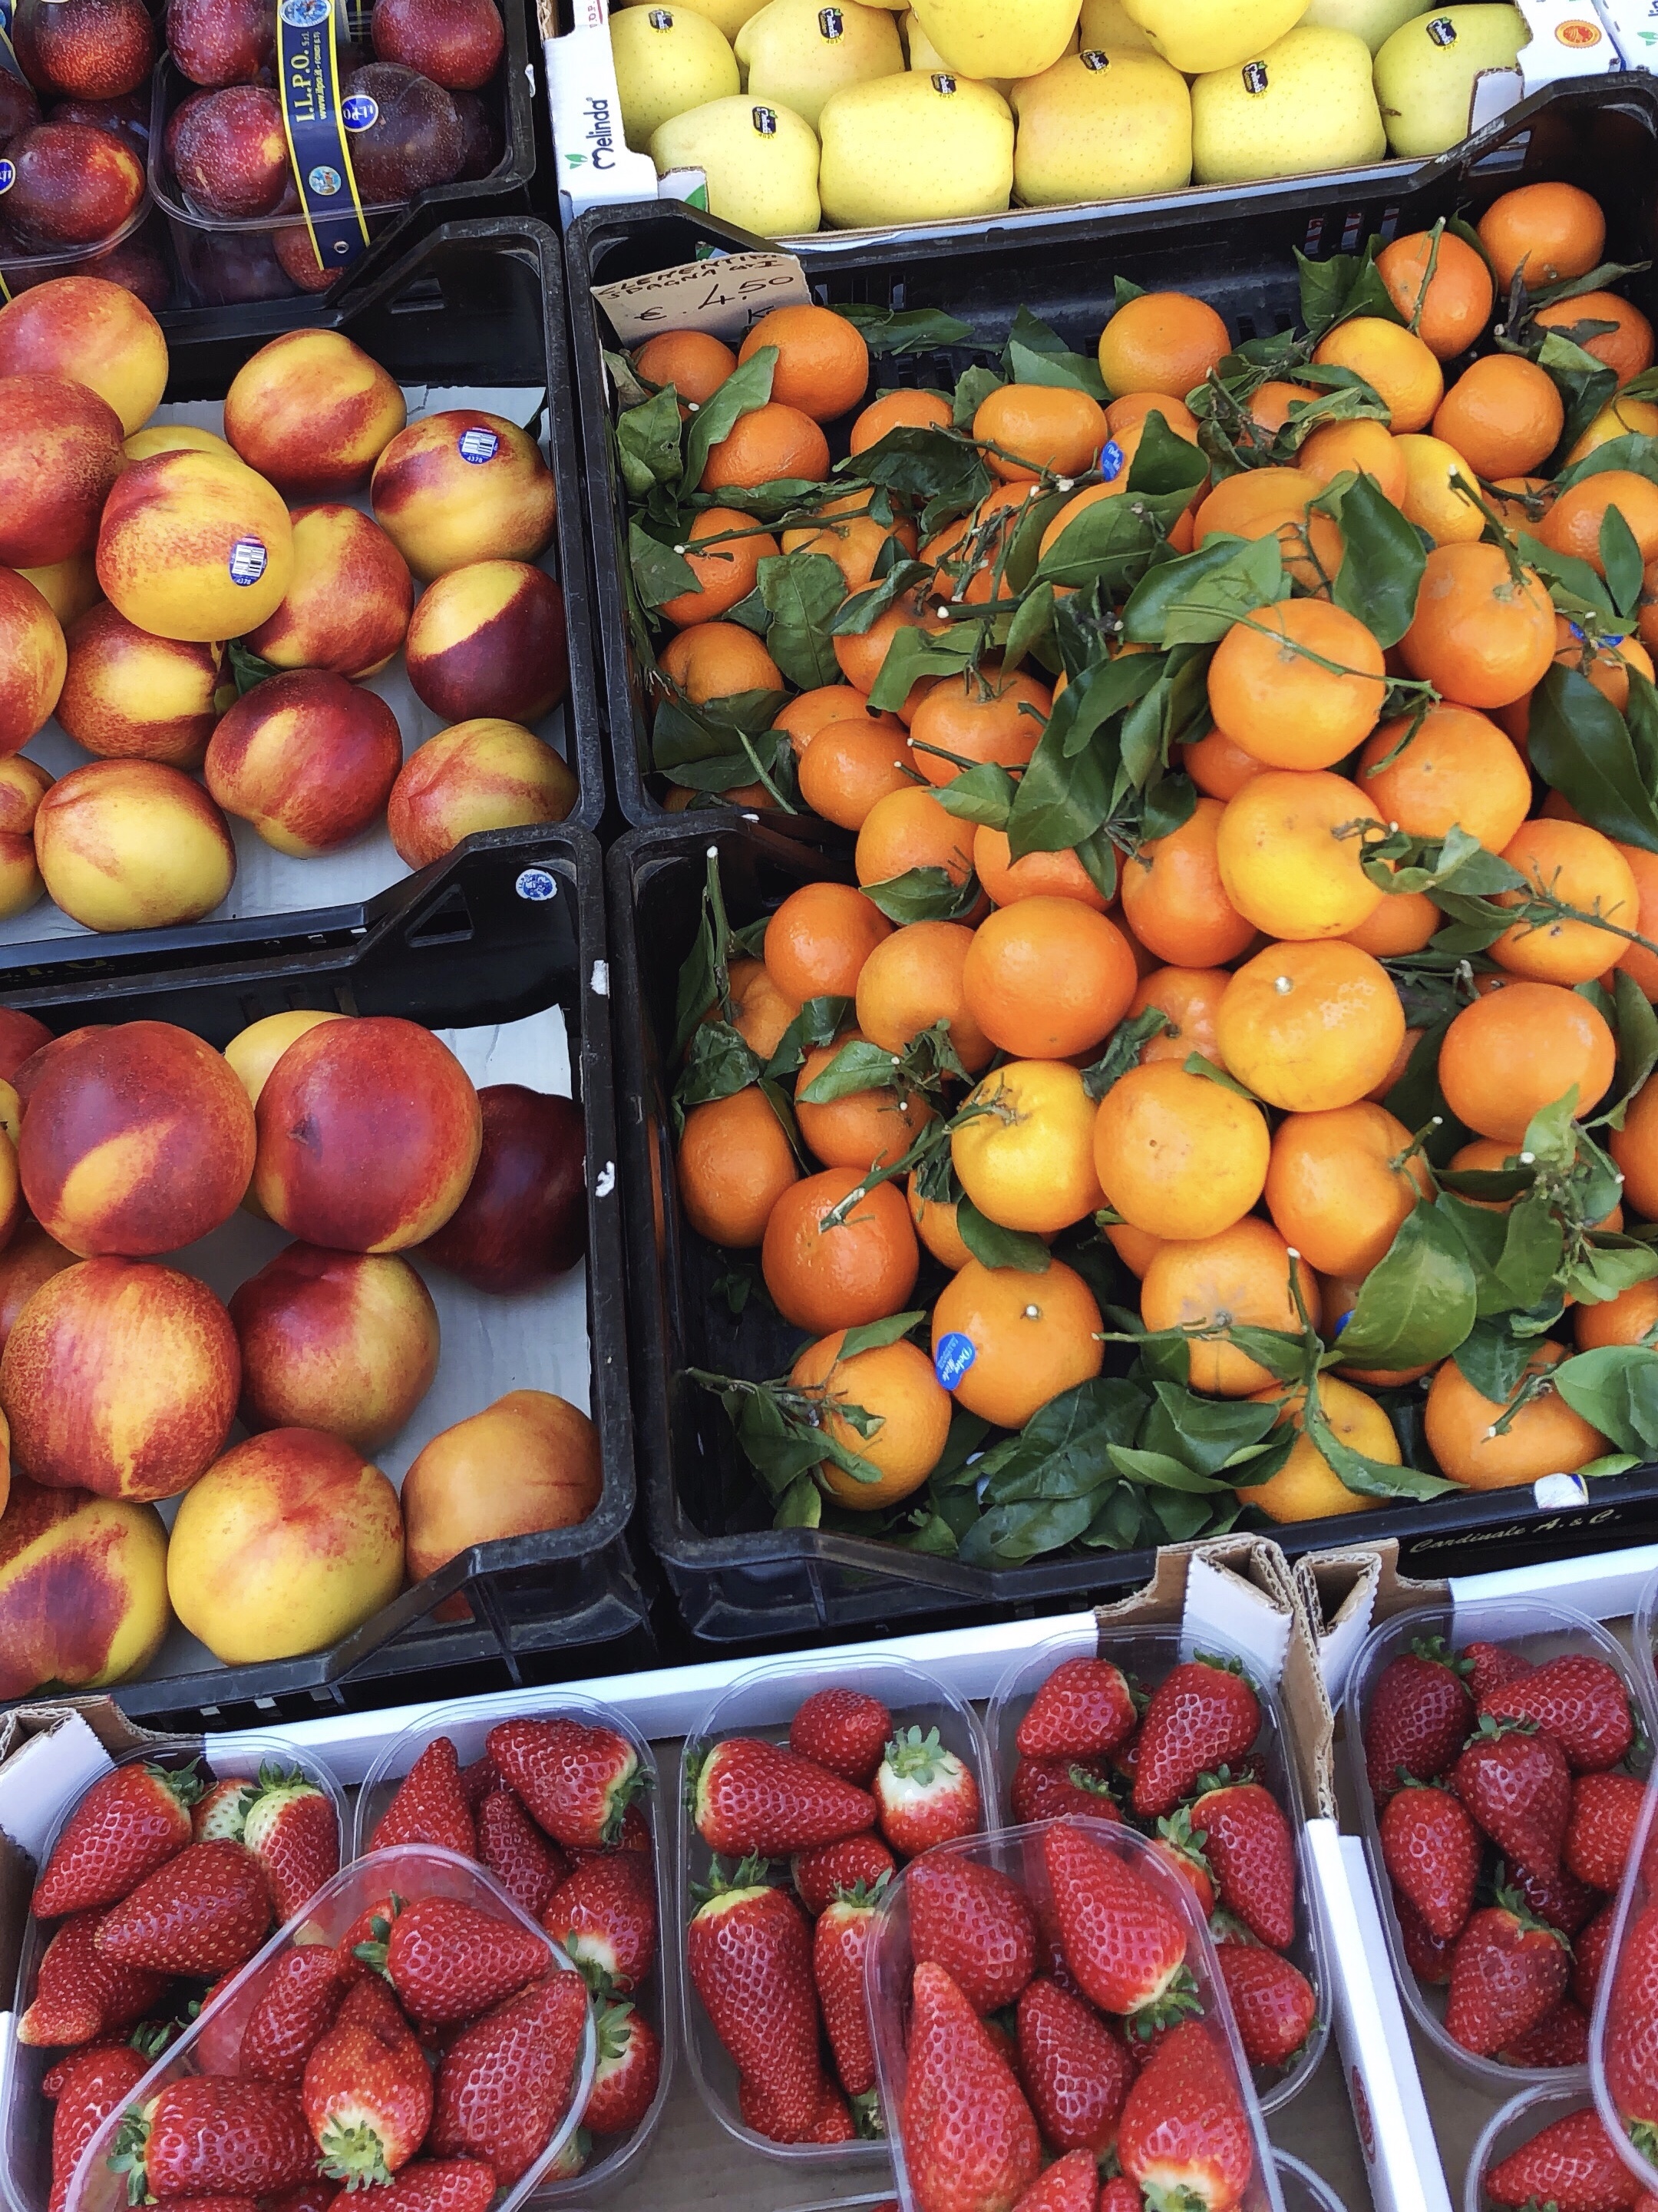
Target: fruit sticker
(1094,59)
(248,561)
(358,112)
(765,121)
(7,175)
(955,1354)
(479,445)
(944,84)
(1442,31)
(1113,460)
(1254,77)
(832,23)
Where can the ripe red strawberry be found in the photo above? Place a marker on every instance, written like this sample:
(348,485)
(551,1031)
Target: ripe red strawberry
(1123,1941)
(976,1924)
(90,2086)
(207,2137)
(81,1994)
(1431,1849)
(1558,1898)
(1515,1784)
(1075,2073)
(506,2080)
(845,1730)
(1273,2003)
(127,1824)
(1184,2126)
(1576,1699)
(1247,1842)
(294,2009)
(628,2070)
(1420,1712)
(1632,2033)
(448,1960)
(839,1943)
(293,1831)
(830,2122)
(818,1874)
(430,1806)
(365,1939)
(439,2184)
(577,1782)
(1072,2183)
(1201,1716)
(1601,1827)
(478,1781)
(205,1910)
(366,2093)
(749,1953)
(604,1916)
(1048,1788)
(926,1795)
(528,1867)
(1590,1955)
(969,2139)
(1572,2164)
(1119,2194)
(1082,1711)
(1489,1666)
(1508,1972)
(217,1817)
(1561,2037)
(754,1796)
(835,2123)
(1181,1852)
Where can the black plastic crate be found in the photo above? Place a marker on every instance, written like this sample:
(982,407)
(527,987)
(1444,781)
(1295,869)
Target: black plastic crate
(1235,249)
(488,943)
(735,1577)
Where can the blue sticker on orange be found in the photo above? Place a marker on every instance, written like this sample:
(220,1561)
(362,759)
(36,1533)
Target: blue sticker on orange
(953,1356)
(1111,460)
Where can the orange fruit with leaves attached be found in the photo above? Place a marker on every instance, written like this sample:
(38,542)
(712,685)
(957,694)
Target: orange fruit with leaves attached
(968,556)
(1268,406)
(1289,854)
(864,1129)
(1177,1154)
(847,534)
(818,939)
(760,1011)
(1441,287)
(1116,465)
(913,979)
(1521,502)
(1238,501)
(735,1162)
(1441,492)
(1477,1442)
(765,446)
(1574,523)
(1622,417)
(1393,361)
(1039,428)
(860,657)
(1341,1183)
(1403,922)
(695,363)
(1577,864)
(1308,1027)
(1605,666)
(1306,1487)
(1640,964)
(1626,348)
(1365,447)
(908,830)
(1635,1149)
(1173,898)
(1165,342)
(1457,770)
(1545,232)
(1311,545)
(1134,406)
(805,715)
(825,1272)
(1046,978)
(1503,415)
(1517,1050)
(1483,633)
(1034,875)
(936,1225)
(1031,1336)
(1190,1000)
(716,659)
(1218,765)
(822,362)
(1024,1153)
(848,766)
(899,410)
(1630,1318)
(1341,1294)
(966,720)
(1240,1278)
(725,571)
(894,1385)
(1298,684)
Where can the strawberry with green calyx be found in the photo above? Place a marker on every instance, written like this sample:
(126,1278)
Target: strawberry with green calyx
(527,1864)
(628,2070)
(818,1874)
(1122,1940)
(294,2009)
(1204,1713)
(1048,1788)
(1572,2164)
(840,1944)
(430,1806)
(204,2135)
(1075,2073)
(129,1823)
(1516,1784)
(1431,1849)
(926,1794)
(1489,1666)
(1182,1850)
(1420,1712)
(747,1796)
(577,1782)
(749,1953)
(975,1922)
(1252,1853)
(1558,1898)
(1083,1709)
(448,1960)
(506,2081)
(1072,2183)
(217,1816)
(292,1829)
(367,2093)
(1273,2003)
(845,1730)
(1185,2137)
(365,1939)
(605,1916)
(1508,1972)
(81,1993)
(439,2184)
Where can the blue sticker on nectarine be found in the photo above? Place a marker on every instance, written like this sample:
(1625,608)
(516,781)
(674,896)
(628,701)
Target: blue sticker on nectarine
(479,445)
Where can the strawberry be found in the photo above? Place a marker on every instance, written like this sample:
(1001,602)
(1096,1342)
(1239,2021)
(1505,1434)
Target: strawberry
(506,2080)
(749,1955)
(1119,2194)
(1124,1943)
(1630,2056)
(439,2184)
(1181,1852)
(976,1924)
(1576,1699)
(604,1916)
(449,1961)
(90,2086)
(1601,1827)
(1420,1712)
(1184,2126)
(297,2005)
(1508,1972)
(926,1795)
(129,1822)
(1558,1898)
(1072,2183)
(1572,2164)
(1201,1715)
(969,2139)
(830,2121)
(1431,1849)
(367,2093)
(1075,2073)
(818,1874)
(1247,1845)
(307,2196)
(1514,1783)
(834,2123)
(754,1797)
(1082,1711)
(845,1730)
(217,1817)
(629,2069)
(80,1993)
(577,1782)
(204,1912)
(478,1781)
(430,1806)
(1489,1666)
(839,1943)
(207,2137)
(528,1867)
(1048,1788)
(1561,2037)
(572,2160)
(1590,1955)
(1273,2003)
(293,1831)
